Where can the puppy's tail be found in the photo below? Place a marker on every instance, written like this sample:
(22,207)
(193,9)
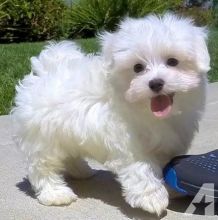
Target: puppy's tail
(53,54)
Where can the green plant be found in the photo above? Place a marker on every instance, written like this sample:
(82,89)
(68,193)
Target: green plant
(31,20)
(3,14)
(140,8)
(88,17)
(215,16)
(200,16)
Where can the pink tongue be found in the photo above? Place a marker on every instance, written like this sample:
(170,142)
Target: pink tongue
(161,106)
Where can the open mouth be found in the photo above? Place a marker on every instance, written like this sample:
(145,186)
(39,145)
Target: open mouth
(161,105)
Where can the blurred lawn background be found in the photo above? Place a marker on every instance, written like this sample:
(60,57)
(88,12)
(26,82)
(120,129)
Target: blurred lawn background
(23,24)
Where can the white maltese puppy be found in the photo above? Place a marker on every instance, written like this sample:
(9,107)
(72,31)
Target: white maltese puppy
(131,108)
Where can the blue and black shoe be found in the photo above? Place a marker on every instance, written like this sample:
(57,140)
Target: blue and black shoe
(186,174)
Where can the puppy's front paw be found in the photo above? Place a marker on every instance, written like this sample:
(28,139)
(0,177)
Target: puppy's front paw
(56,196)
(153,199)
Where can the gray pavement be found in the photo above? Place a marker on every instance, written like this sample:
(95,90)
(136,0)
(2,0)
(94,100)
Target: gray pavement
(100,196)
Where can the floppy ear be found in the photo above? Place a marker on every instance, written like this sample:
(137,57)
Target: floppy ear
(201,51)
(112,42)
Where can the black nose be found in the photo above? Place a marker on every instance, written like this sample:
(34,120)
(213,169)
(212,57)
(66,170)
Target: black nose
(156,85)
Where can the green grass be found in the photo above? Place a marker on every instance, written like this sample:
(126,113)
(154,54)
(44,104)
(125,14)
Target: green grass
(213,50)
(14,64)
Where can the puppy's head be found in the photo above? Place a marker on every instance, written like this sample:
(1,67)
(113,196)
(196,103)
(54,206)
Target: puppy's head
(155,58)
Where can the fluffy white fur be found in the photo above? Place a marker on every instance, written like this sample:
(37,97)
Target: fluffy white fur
(73,106)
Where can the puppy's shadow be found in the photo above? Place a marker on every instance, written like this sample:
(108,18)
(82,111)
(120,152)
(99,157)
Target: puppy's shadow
(104,187)
(25,187)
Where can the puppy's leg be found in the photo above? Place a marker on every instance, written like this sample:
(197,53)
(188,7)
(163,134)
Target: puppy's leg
(142,188)
(79,168)
(47,181)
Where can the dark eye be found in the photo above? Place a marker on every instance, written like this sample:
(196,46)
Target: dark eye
(138,68)
(172,62)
